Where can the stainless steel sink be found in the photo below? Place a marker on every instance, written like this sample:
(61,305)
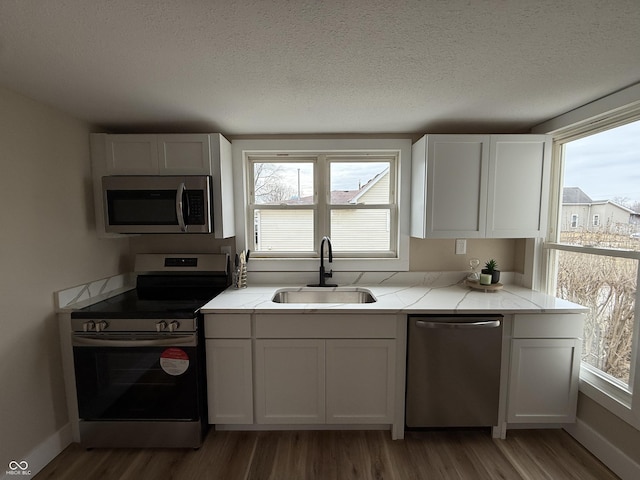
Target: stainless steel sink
(324,295)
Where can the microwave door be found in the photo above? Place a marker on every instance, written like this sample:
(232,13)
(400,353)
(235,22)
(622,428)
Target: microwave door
(161,204)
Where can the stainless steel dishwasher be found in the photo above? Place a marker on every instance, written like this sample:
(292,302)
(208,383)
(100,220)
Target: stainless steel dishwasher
(453,370)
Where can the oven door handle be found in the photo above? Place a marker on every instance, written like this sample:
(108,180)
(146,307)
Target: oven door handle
(184,340)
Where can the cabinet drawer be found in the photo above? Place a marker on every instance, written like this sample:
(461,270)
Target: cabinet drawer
(325,326)
(550,325)
(227,326)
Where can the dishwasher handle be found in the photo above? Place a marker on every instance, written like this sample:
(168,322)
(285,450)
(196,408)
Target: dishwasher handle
(436,324)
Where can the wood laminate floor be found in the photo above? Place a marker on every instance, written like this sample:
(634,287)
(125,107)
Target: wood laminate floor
(328,455)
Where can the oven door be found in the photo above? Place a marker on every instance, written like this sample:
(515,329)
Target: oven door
(141,378)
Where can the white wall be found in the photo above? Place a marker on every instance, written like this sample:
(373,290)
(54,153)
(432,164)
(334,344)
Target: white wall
(47,243)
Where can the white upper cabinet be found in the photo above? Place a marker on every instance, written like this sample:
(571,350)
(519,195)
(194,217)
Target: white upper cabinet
(449,186)
(518,189)
(480,186)
(184,154)
(167,154)
(173,154)
(130,154)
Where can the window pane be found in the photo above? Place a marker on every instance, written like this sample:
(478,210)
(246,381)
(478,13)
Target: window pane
(365,230)
(607,285)
(359,182)
(601,191)
(283,183)
(283,230)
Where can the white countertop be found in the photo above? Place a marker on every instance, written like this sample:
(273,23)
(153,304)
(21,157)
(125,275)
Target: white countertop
(399,298)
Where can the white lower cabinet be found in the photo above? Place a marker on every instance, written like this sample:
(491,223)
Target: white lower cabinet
(229,368)
(290,381)
(326,369)
(309,381)
(360,381)
(229,381)
(544,368)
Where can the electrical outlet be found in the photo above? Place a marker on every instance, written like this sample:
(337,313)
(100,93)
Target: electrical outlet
(461,246)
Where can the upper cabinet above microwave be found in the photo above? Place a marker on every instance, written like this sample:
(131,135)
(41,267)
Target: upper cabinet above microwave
(167,154)
(480,186)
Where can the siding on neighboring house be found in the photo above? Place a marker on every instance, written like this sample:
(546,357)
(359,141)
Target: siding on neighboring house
(284,230)
(612,218)
(360,230)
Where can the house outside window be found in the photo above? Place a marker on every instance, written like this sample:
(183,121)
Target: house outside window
(597,265)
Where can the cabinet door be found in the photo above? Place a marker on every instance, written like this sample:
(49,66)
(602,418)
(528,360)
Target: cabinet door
(519,175)
(543,382)
(360,381)
(229,381)
(131,155)
(455,179)
(184,154)
(290,381)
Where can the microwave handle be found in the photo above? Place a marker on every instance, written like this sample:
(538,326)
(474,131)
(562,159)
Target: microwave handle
(179,210)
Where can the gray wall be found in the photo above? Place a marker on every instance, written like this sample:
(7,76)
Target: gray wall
(615,430)
(47,243)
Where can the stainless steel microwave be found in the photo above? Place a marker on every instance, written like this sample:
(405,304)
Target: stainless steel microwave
(157,204)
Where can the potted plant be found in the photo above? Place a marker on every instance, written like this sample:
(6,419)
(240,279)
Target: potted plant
(491,268)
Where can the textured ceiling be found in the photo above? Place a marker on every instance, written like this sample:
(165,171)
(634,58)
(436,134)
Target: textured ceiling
(248,67)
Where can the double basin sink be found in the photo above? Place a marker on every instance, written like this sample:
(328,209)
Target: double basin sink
(324,295)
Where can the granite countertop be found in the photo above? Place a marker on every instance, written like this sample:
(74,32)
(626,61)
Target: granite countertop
(439,297)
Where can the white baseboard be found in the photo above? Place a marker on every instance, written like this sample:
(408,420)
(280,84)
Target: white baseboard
(41,455)
(614,458)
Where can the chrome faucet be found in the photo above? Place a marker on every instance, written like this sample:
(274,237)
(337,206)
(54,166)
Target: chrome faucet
(323,274)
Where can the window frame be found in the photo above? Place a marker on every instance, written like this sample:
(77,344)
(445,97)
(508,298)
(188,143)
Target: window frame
(334,148)
(608,392)
(391,205)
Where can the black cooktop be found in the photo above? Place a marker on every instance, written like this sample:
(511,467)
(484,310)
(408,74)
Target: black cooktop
(129,305)
(159,296)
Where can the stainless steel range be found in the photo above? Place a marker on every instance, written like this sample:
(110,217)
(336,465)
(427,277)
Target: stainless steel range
(139,356)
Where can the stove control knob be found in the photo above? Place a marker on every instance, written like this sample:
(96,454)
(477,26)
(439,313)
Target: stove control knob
(88,326)
(173,326)
(101,326)
(161,325)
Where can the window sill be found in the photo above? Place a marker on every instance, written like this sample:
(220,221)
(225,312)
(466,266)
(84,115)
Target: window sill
(338,264)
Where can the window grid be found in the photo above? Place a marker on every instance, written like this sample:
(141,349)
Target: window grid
(349,241)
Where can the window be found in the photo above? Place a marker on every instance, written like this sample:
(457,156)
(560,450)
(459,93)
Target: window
(574,220)
(282,205)
(295,192)
(598,267)
(294,201)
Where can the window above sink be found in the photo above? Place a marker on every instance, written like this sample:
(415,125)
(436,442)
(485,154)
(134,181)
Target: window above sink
(297,191)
